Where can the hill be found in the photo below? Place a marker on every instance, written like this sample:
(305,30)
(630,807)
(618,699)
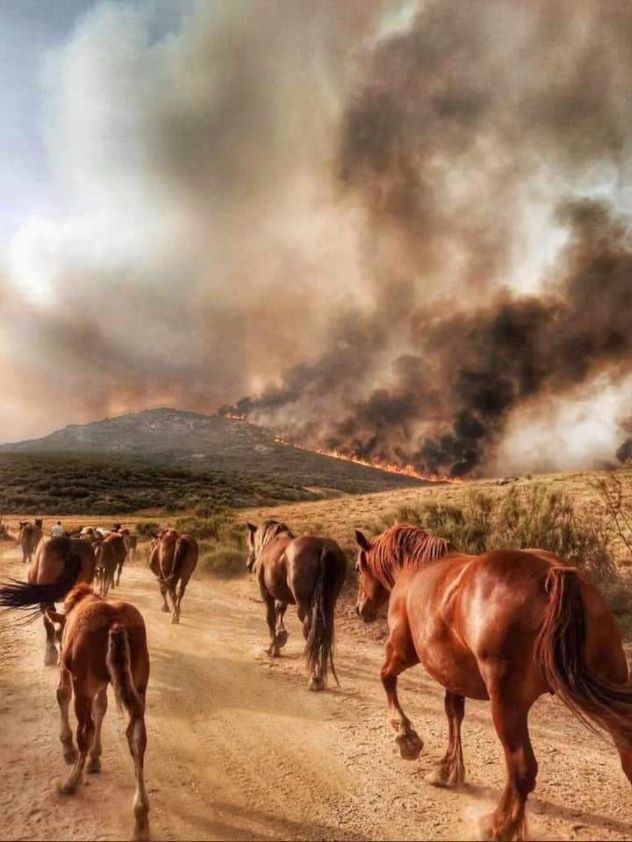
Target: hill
(168,458)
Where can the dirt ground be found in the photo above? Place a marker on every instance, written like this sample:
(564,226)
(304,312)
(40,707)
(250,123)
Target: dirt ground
(240,749)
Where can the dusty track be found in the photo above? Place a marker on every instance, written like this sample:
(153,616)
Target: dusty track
(240,749)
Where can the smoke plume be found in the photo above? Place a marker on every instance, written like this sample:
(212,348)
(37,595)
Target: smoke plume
(400,228)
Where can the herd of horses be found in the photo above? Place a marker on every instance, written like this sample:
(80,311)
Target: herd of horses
(506,626)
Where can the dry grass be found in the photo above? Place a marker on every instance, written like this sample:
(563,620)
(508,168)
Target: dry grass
(339,517)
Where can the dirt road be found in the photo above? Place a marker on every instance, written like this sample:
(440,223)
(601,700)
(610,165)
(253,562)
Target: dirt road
(240,749)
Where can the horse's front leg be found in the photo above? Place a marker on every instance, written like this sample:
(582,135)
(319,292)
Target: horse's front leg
(450,771)
(399,657)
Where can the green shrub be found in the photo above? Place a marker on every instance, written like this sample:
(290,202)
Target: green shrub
(532,517)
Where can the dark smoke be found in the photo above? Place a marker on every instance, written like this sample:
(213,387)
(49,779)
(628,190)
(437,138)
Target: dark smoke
(459,128)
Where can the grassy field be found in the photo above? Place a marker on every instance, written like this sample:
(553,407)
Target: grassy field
(340,517)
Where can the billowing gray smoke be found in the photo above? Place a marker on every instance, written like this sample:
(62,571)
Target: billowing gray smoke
(466,132)
(400,227)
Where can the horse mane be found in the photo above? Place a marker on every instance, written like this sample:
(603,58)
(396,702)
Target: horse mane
(401,546)
(77,594)
(269,529)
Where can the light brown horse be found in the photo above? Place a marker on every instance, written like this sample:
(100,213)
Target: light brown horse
(308,572)
(59,564)
(103,641)
(29,536)
(172,559)
(508,626)
(105,565)
(131,542)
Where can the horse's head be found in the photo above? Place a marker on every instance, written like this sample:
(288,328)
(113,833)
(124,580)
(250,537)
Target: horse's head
(371,592)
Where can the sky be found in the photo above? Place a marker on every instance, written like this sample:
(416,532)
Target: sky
(295,207)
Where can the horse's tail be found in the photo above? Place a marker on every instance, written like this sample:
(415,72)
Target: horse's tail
(15,594)
(320,641)
(559,651)
(118,662)
(179,557)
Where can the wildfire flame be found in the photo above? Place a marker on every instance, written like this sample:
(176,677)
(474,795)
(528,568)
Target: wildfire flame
(388,467)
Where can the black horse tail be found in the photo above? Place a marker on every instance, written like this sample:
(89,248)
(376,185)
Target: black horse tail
(320,640)
(23,595)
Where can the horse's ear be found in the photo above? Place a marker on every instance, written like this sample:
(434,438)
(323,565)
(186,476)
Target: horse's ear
(251,527)
(362,541)
(362,562)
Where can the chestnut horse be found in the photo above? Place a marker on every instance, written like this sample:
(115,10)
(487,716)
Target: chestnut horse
(307,572)
(59,564)
(172,559)
(506,626)
(29,536)
(103,641)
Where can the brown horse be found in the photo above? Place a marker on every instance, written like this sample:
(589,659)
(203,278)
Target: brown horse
(103,641)
(117,543)
(307,572)
(105,565)
(59,564)
(172,559)
(29,536)
(507,626)
(131,542)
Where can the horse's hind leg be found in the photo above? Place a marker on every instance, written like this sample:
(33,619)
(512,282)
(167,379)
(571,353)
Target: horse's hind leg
(137,740)
(50,655)
(398,659)
(450,771)
(281,632)
(273,650)
(85,734)
(99,708)
(64,695)
(163,594)
(175,611)
(508,821)
(119,570)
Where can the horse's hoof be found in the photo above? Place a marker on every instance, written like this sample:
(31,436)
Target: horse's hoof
(316,684)
(51,659)
(281,638)
(485,829)
(165,609)
(141,834)
(94,766)
(174,620)
(438,777)
(410,745)
(69,788)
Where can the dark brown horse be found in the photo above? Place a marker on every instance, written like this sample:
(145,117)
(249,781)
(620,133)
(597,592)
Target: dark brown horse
(59,564)
(508,626)
(172,559)
(29,536)
(307,572)
(103,641)
(116,541)
(105,565)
